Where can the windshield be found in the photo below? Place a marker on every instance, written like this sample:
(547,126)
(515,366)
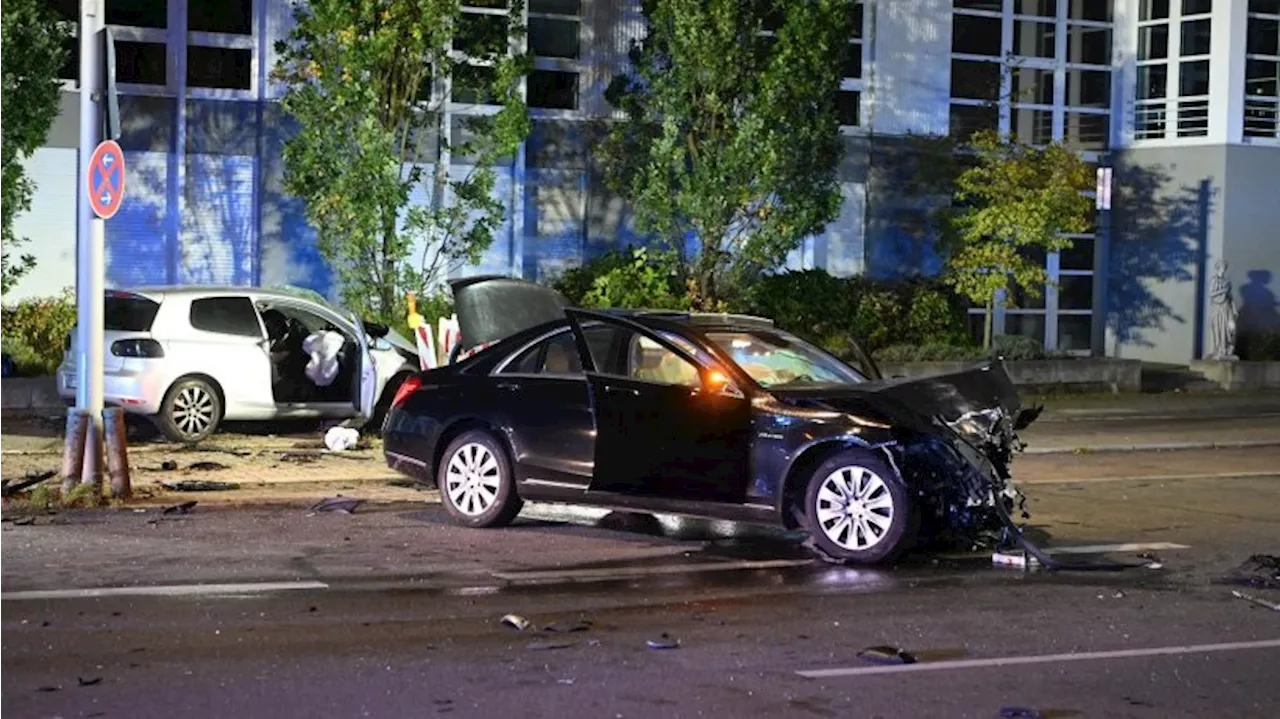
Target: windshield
(777,359)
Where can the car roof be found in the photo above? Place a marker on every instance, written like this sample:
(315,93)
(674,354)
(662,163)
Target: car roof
(158,292)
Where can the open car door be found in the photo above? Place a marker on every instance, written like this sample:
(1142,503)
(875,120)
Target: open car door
(668,424)
(491,308)
(364,387)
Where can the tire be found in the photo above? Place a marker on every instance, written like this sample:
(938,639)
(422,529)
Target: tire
(477,486)
(190,412)
(383,405)
(880,521)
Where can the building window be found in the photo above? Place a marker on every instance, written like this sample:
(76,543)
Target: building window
(233,17)
(555,42)
(138,13)
(1042,72)
(220,67)
(849,107)
(1262,71)
(141,63)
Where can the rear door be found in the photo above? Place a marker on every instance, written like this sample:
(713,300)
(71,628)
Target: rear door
(668,424)
(227,342)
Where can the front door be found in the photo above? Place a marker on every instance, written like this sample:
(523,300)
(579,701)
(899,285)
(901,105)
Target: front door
(665,427)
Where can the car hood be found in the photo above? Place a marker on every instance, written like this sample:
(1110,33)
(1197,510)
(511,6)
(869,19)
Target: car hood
(984,387)
(491,307)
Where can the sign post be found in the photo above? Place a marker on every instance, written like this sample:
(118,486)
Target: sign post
(90,242)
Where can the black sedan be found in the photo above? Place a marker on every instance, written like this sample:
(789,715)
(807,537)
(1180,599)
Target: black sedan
(709,415)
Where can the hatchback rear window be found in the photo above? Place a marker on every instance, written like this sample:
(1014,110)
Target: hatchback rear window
(129,313)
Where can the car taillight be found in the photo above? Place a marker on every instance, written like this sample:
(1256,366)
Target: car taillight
(407,387)
(145,348)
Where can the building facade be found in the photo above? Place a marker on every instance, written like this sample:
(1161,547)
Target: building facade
(1176,99)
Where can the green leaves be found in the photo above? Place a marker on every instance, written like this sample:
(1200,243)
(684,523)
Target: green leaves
(33,53)
(731,137)
(367,80)
(1013,201)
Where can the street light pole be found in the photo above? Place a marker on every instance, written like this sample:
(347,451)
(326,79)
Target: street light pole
(90,242)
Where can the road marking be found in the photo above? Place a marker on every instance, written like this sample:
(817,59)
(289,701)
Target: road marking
(1154,478)
(1153,447)
(1107,548)
(170,590)
(607,573)
(1038,659)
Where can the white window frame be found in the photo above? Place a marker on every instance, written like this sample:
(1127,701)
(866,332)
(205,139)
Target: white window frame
(562,64)
(1261,102)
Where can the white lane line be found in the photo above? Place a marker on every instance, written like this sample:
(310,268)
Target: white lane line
(1105,548)
(170,590)
(1038,659)
(607,573)
(1154,478)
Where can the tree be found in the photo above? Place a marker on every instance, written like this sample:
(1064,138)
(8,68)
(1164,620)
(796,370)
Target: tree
(1009,198)
(367,84)
(33,53)
(731,136)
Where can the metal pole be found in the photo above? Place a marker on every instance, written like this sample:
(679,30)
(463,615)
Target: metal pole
(90,245)
(117,446)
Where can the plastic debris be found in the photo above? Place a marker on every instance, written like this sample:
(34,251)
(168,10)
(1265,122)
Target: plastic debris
(197,485)
(207,466)
(89,682)
(516,622)
(1018,559)
(184,508)
(32,479)
(169,465)
(567,627)
(665,641)
(886,655)
(1019,713)
(1273,606)
(341,439)
(1260,571)
(340,504)
(546,646)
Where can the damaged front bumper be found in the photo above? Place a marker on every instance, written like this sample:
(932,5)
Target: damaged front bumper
(960,473)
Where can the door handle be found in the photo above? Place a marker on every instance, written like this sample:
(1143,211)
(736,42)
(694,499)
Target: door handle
(508,386)
(612,389)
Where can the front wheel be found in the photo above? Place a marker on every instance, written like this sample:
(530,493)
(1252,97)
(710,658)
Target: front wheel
(857,510)
(477,486)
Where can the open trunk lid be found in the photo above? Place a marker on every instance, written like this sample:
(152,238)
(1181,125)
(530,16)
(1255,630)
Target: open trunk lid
(491,308)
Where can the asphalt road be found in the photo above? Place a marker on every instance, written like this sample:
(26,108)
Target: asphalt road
(392,612)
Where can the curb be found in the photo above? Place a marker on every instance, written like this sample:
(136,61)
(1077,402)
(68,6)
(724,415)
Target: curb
(1157,447)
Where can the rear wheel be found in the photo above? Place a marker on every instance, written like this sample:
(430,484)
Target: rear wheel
(476,484)
(857,510)
(191,411)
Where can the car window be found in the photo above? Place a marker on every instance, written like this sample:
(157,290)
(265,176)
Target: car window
(226,315)
(642,358)
(557,354)
(777,359)
(128,313)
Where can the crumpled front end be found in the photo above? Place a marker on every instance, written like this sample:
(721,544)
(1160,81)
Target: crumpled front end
(960,472)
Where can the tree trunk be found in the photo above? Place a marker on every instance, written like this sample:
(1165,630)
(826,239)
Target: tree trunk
(389,274)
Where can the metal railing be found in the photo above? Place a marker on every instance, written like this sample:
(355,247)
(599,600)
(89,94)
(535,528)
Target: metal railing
(1262,117)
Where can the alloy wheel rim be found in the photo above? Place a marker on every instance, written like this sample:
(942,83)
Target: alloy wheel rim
(193,411)
(854,508)
(472,479)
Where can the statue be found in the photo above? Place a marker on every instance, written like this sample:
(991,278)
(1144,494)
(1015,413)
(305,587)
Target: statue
(1222,322)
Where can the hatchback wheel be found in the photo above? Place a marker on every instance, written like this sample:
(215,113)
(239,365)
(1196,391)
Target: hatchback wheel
(476,483)
(857,509)
(191,411)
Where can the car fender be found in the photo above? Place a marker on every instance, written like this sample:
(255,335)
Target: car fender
(813,444)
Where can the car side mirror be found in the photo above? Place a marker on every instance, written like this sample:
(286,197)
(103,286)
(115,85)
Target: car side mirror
(719,383)
(381,344)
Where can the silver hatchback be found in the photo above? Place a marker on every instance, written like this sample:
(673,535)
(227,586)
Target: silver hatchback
(191,357)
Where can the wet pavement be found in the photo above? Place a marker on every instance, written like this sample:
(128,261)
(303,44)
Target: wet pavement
(394,612)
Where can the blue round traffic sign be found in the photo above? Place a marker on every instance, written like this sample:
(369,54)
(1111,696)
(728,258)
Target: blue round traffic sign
(105,179)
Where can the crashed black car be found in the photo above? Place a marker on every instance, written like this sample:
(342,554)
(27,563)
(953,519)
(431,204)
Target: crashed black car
(708,415)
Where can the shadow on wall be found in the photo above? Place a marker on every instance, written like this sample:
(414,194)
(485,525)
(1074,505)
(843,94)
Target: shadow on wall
(1258,306)
(1158,235)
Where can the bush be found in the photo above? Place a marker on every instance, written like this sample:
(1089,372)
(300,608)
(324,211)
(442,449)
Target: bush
(1259,346)
(35,332)
(637,278)
(832,311)
(1017,347)
(929,352)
